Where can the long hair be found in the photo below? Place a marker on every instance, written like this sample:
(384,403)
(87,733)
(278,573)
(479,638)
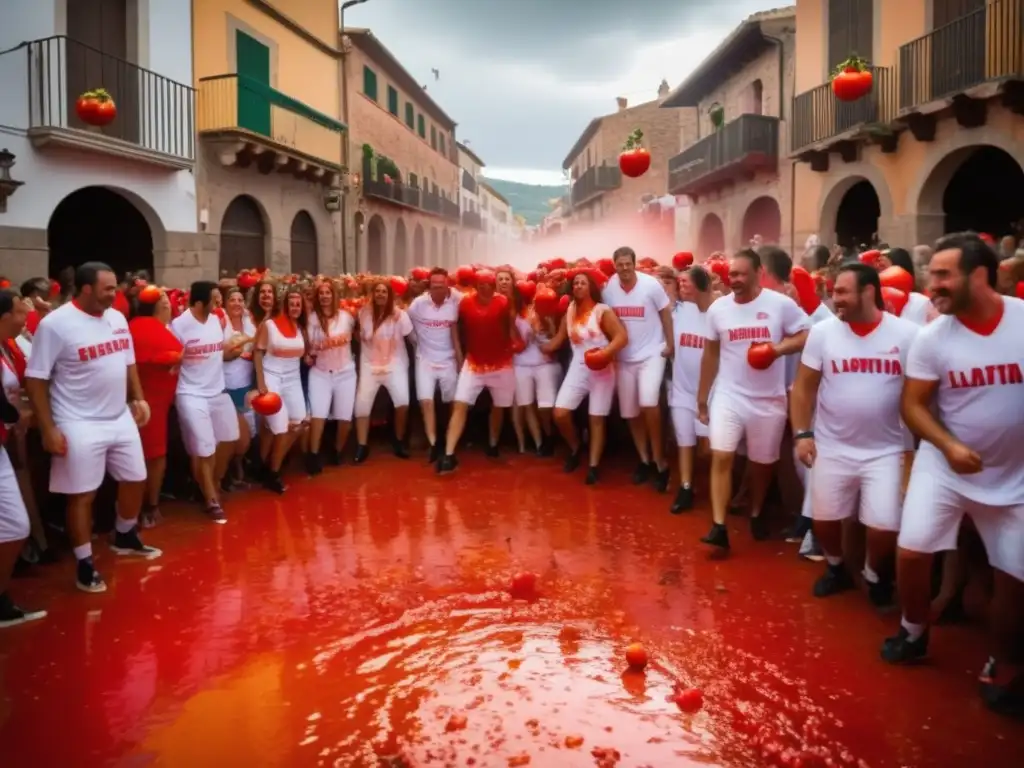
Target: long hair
(381,315)
(258,315)
(282,306)
(318,310)
(516,298)
(595,289)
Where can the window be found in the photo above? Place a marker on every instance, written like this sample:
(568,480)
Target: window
(421,127)
(851,30)
(414,180)
(433,137)
(757,98)
(410,115)
(370,83)
(392,101)
(440,143)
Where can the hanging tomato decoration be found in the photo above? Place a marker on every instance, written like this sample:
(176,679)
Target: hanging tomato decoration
(96,108)
(852,79)
(634,159)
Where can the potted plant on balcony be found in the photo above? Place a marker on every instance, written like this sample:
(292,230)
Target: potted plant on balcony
(716,112)
(852,79)
(96,108)
(387,170)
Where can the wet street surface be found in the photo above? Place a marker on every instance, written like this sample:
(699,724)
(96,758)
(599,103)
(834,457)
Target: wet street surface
(365,619)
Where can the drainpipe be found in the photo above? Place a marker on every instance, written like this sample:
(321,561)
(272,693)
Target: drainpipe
(346,139)
(780,46)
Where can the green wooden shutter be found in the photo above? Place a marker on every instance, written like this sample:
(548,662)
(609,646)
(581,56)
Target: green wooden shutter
(410,116)
(370,83)
(252,63)
(392,101)
(421,127)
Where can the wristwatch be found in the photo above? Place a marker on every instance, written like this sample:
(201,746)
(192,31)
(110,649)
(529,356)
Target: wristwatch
(807,433)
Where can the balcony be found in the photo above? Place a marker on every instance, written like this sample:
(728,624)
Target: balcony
(594,182)
(823,124)
(468,182)
(472,220)
(155,121)
(964,62)
(251,123)
(748,144)
(406,196)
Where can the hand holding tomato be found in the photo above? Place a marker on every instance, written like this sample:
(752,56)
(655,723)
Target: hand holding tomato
(597,359)
(761,355)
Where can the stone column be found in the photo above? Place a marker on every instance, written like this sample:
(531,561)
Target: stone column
(189,256)
(24,253)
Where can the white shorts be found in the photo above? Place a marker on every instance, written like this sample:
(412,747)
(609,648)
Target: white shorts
(688,428)
(501,384)
(95,448)
(332,394)
(293,401)
(639,385)
(14,523)
(206,422)
(839,480)
(537,384)
(395,381)
(580,382)
(761,421)
(433,376)
(934,508)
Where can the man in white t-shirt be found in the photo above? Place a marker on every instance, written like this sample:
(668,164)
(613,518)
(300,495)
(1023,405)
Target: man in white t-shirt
(749,403)
(642,305)
(435,319)
(845,412)
(209,421)
(88,402)
(964,398)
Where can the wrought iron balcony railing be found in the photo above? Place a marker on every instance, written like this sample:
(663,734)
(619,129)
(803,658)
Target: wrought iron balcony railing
(746,144)
(471,220)
(595,181)
(818,116)
(468,182)
(397,193)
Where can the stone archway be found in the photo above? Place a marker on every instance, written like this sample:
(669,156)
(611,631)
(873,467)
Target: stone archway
(401,249)
(127,241)
(359,238)
(243,236)
(763,217)
(376,258)
(711,236)
(856,222)
(305,257)
(419,247)
(833,193)
(434,247)
(446,256)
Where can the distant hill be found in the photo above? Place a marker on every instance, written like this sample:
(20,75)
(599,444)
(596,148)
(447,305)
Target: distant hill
(528,200)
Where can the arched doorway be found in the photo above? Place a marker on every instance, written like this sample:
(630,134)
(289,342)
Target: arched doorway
(434,260)
(446,256)
(359,222)
(711,237)
(304,246)
(242,236)
(985,192)
(375,257)
(857,216)
(419,247)
(763,217)
(401,249)
(124,241)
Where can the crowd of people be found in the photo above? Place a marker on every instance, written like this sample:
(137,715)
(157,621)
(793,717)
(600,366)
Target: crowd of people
(884,388)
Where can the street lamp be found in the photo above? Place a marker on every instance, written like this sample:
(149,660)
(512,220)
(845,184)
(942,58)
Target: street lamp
(346,138)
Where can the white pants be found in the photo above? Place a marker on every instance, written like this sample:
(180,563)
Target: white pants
(433,376)
(934,508)
(14,523)
(839,480)
(537,384)
(332,394)
(501,384)
(206,422)
(687,427)
(95,448)
(639,385)
(580,382)
(759,420)
(293,402)
(395,380)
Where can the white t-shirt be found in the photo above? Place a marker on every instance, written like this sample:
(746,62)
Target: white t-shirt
(433,326)
(85,358)
(771,317)
(793,361)
(239,373)
(690,327)
(381,350)
(919,309)
(333,349)
(202,358)
(980,399)
(586,334)
(858,406)
(638,309)
(535,338)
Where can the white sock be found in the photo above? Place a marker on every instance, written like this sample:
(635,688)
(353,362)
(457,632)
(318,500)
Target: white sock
(914,631)
(124,526)
(834,562)
(686,485)
(83,552)
(869,575)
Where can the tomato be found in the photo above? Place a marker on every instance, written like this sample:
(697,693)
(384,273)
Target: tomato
(690,700)
(761,355)
(268,404)
(545,300)
(54,289)
(399,285)
(870,257)
(596,359)
(897,277)
(563,304)
(96,108)
(85,108)
(634,162)
(150,294)
(894,299)
(607,267)
(4,283)
(465,275)
(682,260)
(420,273)
(524,586)
(105,112)
(527,289)
(1019,290)
(636,656)
(247,280)
(851,84)
(555,264)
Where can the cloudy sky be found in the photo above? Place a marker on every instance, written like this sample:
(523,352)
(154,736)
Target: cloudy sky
(522,78)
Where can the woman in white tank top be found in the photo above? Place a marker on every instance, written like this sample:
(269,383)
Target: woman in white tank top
(588,325)
(280,347)
(239,376)
(332,377)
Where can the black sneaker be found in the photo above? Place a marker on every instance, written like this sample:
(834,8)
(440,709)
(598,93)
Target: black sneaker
(642,473)
(216,513)
(130,545)
(333,457)
(572,461)
(882,594)
(796,532)
(447,464)
(11,615)
(591,476)
(399,449)
(362,454)
(660,481)
(1004,698)
(900,649)
(492,452)
(88,578)
(434,454)
(684,500)
(759,528)
(313,465)
(718,536)
(834,580)
(272,482)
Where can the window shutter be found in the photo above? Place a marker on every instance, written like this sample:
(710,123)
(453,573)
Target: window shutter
(370,83)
